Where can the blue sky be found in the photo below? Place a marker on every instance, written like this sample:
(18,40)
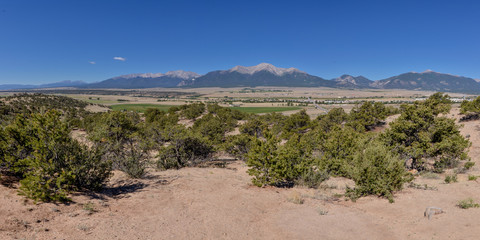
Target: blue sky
(45,41)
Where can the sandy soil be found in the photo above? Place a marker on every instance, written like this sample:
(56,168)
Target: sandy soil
(220,203)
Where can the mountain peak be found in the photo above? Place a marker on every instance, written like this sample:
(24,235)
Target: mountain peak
(182,74)
(345,76)
(264,67)
(350,81)
(178,74)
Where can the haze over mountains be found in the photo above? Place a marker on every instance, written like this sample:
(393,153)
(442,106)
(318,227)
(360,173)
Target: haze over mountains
(266,74)
(67,83)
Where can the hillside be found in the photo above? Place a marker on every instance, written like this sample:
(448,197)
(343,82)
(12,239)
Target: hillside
(429,81)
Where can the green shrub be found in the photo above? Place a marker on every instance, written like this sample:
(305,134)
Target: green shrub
(89,169)
(48,161)
(367,116)
(238,145)
(472,178)
(184,149)
(420,134)
(338,149)
(226,113)
(470,108)
(161,118)
(296,123)
(261,159)
(469,165)
(450,178)
(254,126)
(468,203)
(377,171)
(132,161)
(192,111)
(273,164)
(119,136)
(213,128)
(334,117)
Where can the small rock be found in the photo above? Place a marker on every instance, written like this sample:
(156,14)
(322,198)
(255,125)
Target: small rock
(430,211)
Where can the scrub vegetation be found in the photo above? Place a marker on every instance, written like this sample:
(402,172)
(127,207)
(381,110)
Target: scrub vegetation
(282,151)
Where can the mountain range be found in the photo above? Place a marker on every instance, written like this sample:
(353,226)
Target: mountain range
(67,83)
(266,74)
(146,80)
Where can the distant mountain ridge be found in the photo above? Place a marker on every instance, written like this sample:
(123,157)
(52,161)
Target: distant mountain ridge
(264,67)
(67,83)
(173,74)
(265,74)
(429,81)
(146,80)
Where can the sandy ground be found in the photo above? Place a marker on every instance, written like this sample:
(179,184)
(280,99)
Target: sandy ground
(220,203)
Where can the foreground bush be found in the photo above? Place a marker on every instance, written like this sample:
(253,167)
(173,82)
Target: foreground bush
(273,164)
(238,145)
(184,149)
(420,135)
(377,171)
(118,136)
(49,162)
(338,148)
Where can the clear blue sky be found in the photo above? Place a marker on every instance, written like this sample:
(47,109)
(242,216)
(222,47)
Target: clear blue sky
(47,41)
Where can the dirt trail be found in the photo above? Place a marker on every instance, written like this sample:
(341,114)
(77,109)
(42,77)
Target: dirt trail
(220,203)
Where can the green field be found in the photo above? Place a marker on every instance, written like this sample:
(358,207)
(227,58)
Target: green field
(139,107)
(265,109)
